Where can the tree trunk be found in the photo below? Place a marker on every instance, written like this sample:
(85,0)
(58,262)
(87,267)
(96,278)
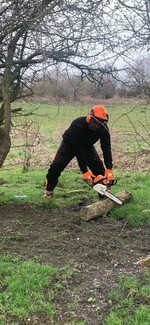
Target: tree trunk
(7,86)
(4,146)
(101,208)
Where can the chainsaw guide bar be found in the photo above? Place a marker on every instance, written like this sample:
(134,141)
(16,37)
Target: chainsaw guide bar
(102,189)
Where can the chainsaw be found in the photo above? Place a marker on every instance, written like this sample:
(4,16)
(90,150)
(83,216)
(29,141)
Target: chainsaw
(103,190)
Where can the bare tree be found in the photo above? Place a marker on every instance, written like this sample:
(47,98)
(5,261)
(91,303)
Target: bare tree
(138,77)
(37,33)
(85,35)
(18,19)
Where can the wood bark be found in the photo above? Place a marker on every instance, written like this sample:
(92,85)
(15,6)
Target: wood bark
(5,142)
(144,262)
(4,146)
(101,208)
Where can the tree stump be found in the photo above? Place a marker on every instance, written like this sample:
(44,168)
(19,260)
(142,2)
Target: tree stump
(101,208)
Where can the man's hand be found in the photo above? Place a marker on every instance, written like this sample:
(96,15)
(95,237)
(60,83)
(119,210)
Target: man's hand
(109,175)
(88,178)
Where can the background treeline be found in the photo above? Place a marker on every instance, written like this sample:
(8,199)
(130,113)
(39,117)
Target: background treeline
(135,82)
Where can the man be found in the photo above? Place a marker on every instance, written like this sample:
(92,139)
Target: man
(78,141)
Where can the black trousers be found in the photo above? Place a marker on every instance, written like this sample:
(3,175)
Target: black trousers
(64,155)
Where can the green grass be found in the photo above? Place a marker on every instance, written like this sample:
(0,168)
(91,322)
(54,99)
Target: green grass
(132,120)
(71,189)
(27,288)
(129,118)
(122,117)
(32,184)
(137,210)
(50,116)
(130,302)
(37,137)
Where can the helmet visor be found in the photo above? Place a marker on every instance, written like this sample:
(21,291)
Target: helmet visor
(100,120)
(97,124)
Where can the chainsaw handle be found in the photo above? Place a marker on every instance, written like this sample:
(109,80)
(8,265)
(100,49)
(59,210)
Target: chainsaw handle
(109,183)
(105,181)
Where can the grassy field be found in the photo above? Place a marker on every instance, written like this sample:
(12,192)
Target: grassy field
(29,287)
(34,145)
(36,138)
(29,186)
(32,287)
(26,281)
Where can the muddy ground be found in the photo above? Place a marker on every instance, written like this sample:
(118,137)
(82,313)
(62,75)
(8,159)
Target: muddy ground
(98,250)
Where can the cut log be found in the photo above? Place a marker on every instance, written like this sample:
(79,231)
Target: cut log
(101,208)
(145,262)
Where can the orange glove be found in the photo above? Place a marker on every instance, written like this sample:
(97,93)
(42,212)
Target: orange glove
(88,178)
(109,174)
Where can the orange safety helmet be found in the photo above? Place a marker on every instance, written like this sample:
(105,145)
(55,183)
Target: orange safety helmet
(98,112)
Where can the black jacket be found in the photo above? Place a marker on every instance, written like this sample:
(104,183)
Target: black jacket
(80,137)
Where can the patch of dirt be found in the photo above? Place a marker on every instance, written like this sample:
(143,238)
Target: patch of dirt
(98,250)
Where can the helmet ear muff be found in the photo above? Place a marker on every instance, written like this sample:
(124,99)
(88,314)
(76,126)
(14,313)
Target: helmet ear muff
(88,118)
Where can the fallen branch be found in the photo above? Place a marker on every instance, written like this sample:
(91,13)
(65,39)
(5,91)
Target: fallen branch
(101,208)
